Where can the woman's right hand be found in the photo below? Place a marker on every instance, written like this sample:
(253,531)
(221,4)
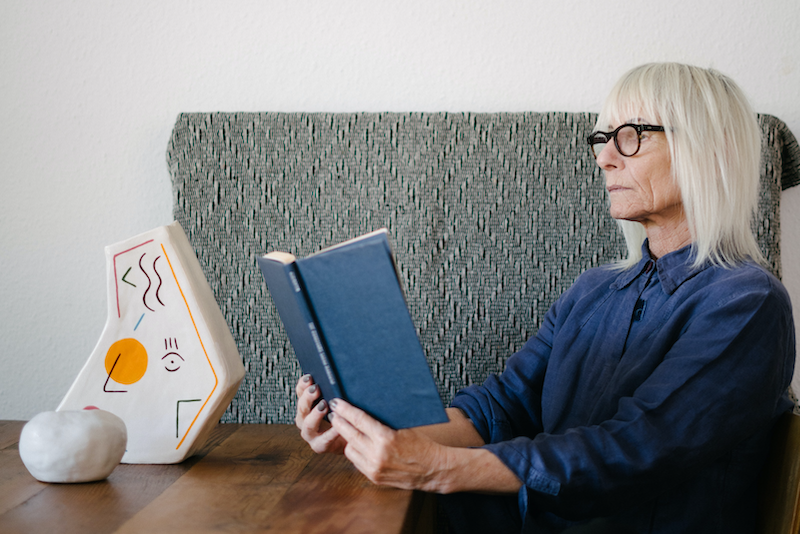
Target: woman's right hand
(310,419)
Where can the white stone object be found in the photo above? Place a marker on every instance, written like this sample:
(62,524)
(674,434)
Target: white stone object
(72,446)
(166,362)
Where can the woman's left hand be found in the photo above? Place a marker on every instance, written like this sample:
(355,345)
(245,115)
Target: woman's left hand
(404,459)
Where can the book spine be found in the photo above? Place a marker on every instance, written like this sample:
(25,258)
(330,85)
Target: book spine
(301,327)
(312,328)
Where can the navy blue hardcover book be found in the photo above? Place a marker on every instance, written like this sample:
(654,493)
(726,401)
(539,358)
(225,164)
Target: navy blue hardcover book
(280,273)
(356,306)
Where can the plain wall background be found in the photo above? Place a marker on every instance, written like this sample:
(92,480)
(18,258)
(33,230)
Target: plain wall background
(89,92)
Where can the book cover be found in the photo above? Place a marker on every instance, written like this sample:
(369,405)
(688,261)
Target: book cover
(356,305)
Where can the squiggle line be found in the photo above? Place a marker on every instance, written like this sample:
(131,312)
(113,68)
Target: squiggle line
(116,281)
(159,280)
(149,283)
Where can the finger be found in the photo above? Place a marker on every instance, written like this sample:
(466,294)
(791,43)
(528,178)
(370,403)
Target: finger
(362,436)
(314,422)
(319,433)
(357,442)
(305,404)
(345,428)
(326,441)
(358,459)
(358,418)
(359,449)
(303,383)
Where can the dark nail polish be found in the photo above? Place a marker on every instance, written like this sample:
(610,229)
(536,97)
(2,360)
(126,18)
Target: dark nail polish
(333,404)
(312,389)
(306,378)
(322,406)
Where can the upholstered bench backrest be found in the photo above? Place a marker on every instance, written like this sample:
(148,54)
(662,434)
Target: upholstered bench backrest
(492,216)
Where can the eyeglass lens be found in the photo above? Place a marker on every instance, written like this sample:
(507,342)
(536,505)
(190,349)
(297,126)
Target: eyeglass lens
(627,141)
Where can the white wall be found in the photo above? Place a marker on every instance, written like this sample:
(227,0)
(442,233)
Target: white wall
(89,92)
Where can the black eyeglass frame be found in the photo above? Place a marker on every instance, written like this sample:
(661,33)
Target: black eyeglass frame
(595,137)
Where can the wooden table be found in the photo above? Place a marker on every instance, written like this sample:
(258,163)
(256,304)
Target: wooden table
(248,478)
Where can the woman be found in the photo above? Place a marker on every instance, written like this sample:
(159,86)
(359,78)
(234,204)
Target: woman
(645,401)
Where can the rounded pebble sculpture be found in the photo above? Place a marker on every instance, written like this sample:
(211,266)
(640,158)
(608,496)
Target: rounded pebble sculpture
(73,446)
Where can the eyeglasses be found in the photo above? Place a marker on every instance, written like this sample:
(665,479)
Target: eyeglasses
(627,138)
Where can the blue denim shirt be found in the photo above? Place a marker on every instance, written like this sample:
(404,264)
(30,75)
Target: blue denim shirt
(647,397)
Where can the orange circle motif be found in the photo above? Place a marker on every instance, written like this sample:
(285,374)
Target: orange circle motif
(126,361)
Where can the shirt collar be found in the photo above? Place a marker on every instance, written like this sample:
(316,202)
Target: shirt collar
(673,268)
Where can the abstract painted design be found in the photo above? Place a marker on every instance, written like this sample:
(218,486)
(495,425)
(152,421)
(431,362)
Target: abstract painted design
(166,362)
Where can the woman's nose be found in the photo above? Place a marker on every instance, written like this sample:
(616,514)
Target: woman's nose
(609,157)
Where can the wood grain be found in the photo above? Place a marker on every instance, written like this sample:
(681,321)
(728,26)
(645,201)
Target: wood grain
(27,505)
(16,484)
(344,501)
(9,433)
(247,478)
(234,488)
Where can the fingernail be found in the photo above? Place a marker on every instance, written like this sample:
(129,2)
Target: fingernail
(330,416)
(321,406)
(333,404)
(312,389)
(306,378)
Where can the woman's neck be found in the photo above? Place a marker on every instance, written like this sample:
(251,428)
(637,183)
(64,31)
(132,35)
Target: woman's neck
(665,239)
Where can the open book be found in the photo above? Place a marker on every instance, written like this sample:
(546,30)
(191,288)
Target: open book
(347,319)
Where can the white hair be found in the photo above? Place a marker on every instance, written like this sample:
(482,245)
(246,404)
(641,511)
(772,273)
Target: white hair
(715,150)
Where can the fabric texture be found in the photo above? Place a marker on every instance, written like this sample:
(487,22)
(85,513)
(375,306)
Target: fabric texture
(647,397)
(491,216)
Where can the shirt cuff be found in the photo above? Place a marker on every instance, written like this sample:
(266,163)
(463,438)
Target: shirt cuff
(517,455)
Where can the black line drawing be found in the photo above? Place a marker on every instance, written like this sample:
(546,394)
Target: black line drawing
(149,283)
(105,386)
(178,415)
(160,282)
(170,365)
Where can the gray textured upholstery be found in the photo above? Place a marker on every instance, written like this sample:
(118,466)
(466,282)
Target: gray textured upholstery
(492,216)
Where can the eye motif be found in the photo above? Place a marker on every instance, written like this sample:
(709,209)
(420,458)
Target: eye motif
(171,360)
